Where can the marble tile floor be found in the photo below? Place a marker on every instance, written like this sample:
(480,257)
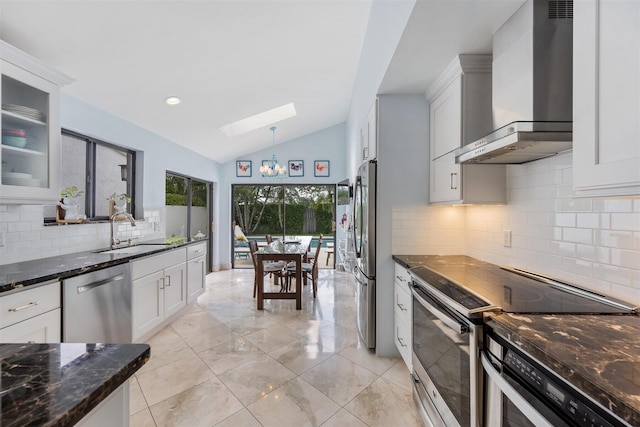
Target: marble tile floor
(224,363)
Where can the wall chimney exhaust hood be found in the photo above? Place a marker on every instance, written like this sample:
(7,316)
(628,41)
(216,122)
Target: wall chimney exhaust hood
(532,87)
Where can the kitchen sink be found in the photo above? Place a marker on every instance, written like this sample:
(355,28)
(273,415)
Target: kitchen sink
(136,249)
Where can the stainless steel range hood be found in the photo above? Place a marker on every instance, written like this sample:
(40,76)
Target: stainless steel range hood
(532,87)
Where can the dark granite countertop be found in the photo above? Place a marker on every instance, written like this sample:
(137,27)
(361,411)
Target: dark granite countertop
(21,274)
(599,354)
(58,384)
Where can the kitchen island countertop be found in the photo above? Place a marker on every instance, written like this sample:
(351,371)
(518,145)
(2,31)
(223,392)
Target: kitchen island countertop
(58,384)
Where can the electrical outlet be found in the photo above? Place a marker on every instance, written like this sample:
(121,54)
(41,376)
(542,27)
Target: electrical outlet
(506,236)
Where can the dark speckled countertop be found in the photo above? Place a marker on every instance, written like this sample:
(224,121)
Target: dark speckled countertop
(26,273)
(58,384)
(599,354)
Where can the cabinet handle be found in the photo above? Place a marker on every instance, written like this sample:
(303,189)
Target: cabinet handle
(401,306)
(168,282)
(400,279)
(162,285)
(456,184)
(401,342)
(31,304)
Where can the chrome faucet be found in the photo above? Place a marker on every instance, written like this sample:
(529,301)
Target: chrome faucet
(113,241)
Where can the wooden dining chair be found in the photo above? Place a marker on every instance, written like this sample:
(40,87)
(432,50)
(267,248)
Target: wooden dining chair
(311,255)
(309,270)
(276,268)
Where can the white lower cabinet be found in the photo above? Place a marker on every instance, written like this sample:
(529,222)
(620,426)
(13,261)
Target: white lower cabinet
(196,271)
(44,328)
(158,288)
(32,315)
(403,313)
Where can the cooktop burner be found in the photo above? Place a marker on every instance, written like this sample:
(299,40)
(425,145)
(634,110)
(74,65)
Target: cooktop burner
(488,286)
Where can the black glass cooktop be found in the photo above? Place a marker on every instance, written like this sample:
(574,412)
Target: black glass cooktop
(479,286)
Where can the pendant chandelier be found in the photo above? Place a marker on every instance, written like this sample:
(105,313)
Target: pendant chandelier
(271,168)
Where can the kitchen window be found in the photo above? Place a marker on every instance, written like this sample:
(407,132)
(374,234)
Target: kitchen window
(98,169)
(187,206)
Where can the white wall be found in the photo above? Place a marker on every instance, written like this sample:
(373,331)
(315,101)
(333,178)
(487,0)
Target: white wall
(402,177)
(387,21)
(326,144)
(594,243)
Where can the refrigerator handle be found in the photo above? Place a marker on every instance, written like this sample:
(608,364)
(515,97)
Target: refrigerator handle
(357,239)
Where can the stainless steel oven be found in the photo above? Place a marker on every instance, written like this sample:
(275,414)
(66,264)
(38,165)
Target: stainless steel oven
(521,391)
(450,387)
(446,340)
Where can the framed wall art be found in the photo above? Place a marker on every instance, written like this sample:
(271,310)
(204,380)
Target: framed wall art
(243,168)
(321,168)
(296,167)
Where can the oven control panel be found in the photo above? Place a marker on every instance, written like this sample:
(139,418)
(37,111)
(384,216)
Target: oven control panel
(556,394)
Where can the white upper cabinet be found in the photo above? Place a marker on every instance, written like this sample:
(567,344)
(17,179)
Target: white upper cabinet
(30,122)
(606,93)
(459,113)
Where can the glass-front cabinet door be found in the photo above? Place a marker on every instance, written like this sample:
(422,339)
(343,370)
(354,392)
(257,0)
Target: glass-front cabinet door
(30,132)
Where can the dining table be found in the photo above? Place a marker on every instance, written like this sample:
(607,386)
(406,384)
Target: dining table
(289,249)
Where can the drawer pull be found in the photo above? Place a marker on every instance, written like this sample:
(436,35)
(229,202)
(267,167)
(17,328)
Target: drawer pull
(168,281)
(401,306)
(31,304)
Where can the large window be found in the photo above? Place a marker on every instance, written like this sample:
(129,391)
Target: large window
(187,204)
(281,210)
(98,169)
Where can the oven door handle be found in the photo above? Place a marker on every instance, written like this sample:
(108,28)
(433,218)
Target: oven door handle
(461,329)
(520,402)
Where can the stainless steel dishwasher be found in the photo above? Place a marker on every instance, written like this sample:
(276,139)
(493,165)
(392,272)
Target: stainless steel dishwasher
(96,306)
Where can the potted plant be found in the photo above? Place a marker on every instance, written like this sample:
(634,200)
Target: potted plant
(118,202)
(69,206)
(68,195)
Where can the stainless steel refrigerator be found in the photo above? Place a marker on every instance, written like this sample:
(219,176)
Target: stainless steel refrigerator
(364,232)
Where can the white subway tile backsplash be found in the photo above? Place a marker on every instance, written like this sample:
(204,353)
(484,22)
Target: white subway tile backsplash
(564,219)
(594,243)
(625,221)
(593,253)
(577,235)
(563,249)
(613,274)
(588,220)
(26,237)
(614,239)
(613,205)
(625,258)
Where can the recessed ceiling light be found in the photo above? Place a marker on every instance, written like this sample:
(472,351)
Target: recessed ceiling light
(172,100)
(259,120)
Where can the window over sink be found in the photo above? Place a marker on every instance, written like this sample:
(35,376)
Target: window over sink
(98,169)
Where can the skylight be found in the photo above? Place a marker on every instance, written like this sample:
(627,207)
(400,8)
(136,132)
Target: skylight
(259,120)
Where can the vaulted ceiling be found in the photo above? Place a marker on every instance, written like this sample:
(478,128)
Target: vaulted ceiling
(228,60)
